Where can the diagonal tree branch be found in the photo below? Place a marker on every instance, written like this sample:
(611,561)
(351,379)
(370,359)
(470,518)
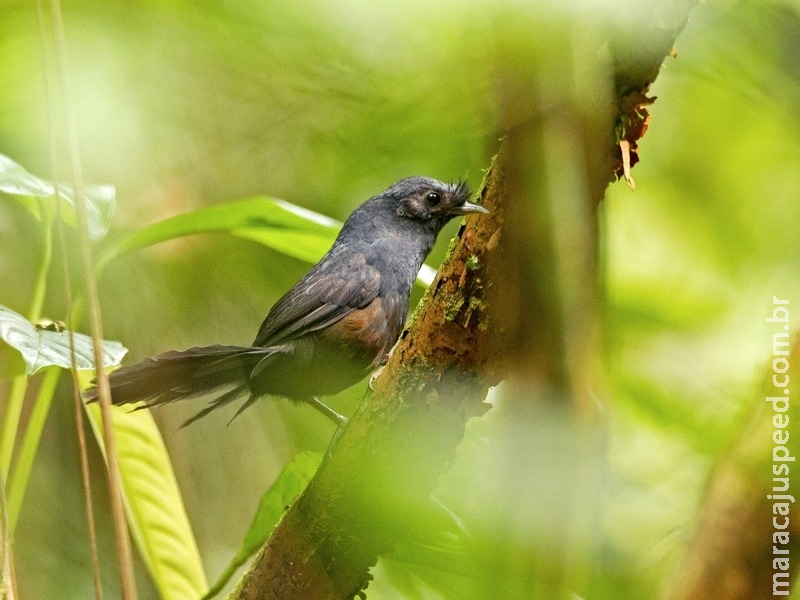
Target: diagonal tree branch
(499,305)
(386,462)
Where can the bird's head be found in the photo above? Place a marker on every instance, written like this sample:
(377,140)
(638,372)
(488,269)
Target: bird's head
(418,207)
(431,202)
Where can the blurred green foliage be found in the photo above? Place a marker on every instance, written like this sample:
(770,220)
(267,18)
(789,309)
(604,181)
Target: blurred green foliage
(184,105)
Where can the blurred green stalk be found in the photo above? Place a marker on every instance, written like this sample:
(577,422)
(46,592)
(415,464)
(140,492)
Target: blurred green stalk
(18,483)
(30,444)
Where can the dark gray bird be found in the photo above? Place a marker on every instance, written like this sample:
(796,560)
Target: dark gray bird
(332,328)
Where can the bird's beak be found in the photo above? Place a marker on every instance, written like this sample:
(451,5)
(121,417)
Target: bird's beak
(467,208)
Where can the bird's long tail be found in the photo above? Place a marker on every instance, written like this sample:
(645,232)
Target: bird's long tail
(200,371)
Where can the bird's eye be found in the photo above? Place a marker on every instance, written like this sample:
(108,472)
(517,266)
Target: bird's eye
(433,198)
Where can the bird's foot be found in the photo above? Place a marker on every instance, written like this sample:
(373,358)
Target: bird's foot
(339,420)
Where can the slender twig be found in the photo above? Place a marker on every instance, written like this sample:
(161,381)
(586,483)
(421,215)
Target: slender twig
(6,580)
(122,539)
(23,461)
(87,482)
(76,392)
(20,384)
(13,414)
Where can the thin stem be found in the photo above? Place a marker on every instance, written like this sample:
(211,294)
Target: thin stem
(6,579)
(30,443)
(39,291)
(11,421)
(20,384)
(72,317)
(16,397)
(87,486)
(122,539)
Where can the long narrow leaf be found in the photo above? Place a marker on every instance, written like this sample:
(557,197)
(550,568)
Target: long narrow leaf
(294,231)
(293,479)
(156,513)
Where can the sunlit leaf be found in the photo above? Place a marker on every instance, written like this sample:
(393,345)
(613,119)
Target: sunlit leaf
(289,484)
(45,347)
(100,199)
(289,229)
(16,180)
(154,504)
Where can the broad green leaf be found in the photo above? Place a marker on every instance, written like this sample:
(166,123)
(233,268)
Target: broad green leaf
(289,229)
(154,505)
(46,347)
(290,483)
(100,199)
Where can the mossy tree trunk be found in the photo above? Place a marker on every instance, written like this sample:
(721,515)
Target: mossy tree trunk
(518,298)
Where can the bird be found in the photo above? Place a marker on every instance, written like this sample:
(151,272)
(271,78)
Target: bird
(335,326)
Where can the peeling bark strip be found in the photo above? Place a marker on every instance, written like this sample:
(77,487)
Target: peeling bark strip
(381,470)
(637,53)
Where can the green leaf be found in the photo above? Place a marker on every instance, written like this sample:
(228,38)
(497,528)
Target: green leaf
(46,347)
(434,558)
(154,505)
(287,228)
(100,199)
(290,483)
(277,224)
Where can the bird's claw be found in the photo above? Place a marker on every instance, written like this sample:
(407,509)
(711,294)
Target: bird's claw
(374,377)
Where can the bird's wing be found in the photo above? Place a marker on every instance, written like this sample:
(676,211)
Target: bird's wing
(327,294)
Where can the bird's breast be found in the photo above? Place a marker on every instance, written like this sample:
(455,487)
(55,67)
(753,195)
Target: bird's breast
(369,332)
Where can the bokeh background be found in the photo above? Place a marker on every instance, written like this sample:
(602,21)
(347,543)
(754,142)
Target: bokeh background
(182,105)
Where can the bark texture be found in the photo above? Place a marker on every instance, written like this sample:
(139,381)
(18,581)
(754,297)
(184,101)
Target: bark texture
(383,466)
